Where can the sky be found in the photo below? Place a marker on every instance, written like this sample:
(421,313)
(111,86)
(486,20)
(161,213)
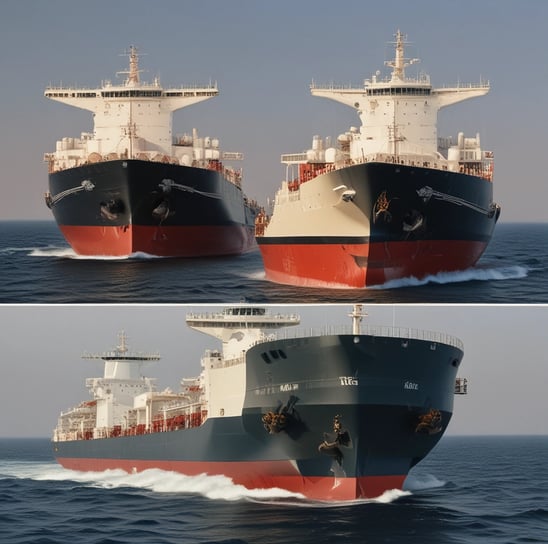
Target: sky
(43,373)
(264,55)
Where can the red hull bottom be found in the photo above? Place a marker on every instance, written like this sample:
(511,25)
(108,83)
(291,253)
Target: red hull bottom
(161,241)
(364,265)
(256,475)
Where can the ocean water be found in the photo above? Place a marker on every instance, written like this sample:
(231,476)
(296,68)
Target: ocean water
(468,490)
(37,266)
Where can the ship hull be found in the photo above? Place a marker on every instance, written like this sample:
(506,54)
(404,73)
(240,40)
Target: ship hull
(255,475)
(396,222)
(378,389)
(117,208)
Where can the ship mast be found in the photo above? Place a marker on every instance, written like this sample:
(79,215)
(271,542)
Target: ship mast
(133,78)
(122,347)
(121,363)
(357,315)
(399,63)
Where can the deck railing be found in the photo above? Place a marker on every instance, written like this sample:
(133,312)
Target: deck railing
(405,333)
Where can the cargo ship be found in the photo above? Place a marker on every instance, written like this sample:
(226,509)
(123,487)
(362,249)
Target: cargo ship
(340,414)
(132,186)
(388,200)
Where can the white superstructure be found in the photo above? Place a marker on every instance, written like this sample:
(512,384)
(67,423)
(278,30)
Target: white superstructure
(239,328)
(124,402)
(133,120)
(398,118)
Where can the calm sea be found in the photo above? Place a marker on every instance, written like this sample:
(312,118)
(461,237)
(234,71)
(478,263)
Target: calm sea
(469,490)
(37,266)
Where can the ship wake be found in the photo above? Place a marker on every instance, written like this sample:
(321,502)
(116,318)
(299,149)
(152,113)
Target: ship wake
(471,274)
(68,253)
(416,482)
(389,496)
(211,487)
(154,480)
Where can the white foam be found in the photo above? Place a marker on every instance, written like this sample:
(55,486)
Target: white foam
(471,274)
(31,471)
(213,487)
(160,481)
(10,250)
(155,480)
(387,497)
(257,275)
(391,495)
(141,255)
(62,252)
(442,278)
(416,482)
(69,253)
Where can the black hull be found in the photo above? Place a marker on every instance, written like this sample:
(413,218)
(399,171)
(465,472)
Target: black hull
(378,388)
(402,221)
(408,203)
(123,206)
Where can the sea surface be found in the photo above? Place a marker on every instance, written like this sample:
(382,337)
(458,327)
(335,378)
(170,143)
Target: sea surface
(468,490)
(37,266)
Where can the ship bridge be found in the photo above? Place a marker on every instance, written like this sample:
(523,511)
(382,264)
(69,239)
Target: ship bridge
(398,114)
(121,363)
(240,327)
(131,120)
(122,381)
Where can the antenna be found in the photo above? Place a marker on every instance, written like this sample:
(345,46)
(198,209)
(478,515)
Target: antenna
(122,353)
(133,71)
(122,346)
(400,62)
